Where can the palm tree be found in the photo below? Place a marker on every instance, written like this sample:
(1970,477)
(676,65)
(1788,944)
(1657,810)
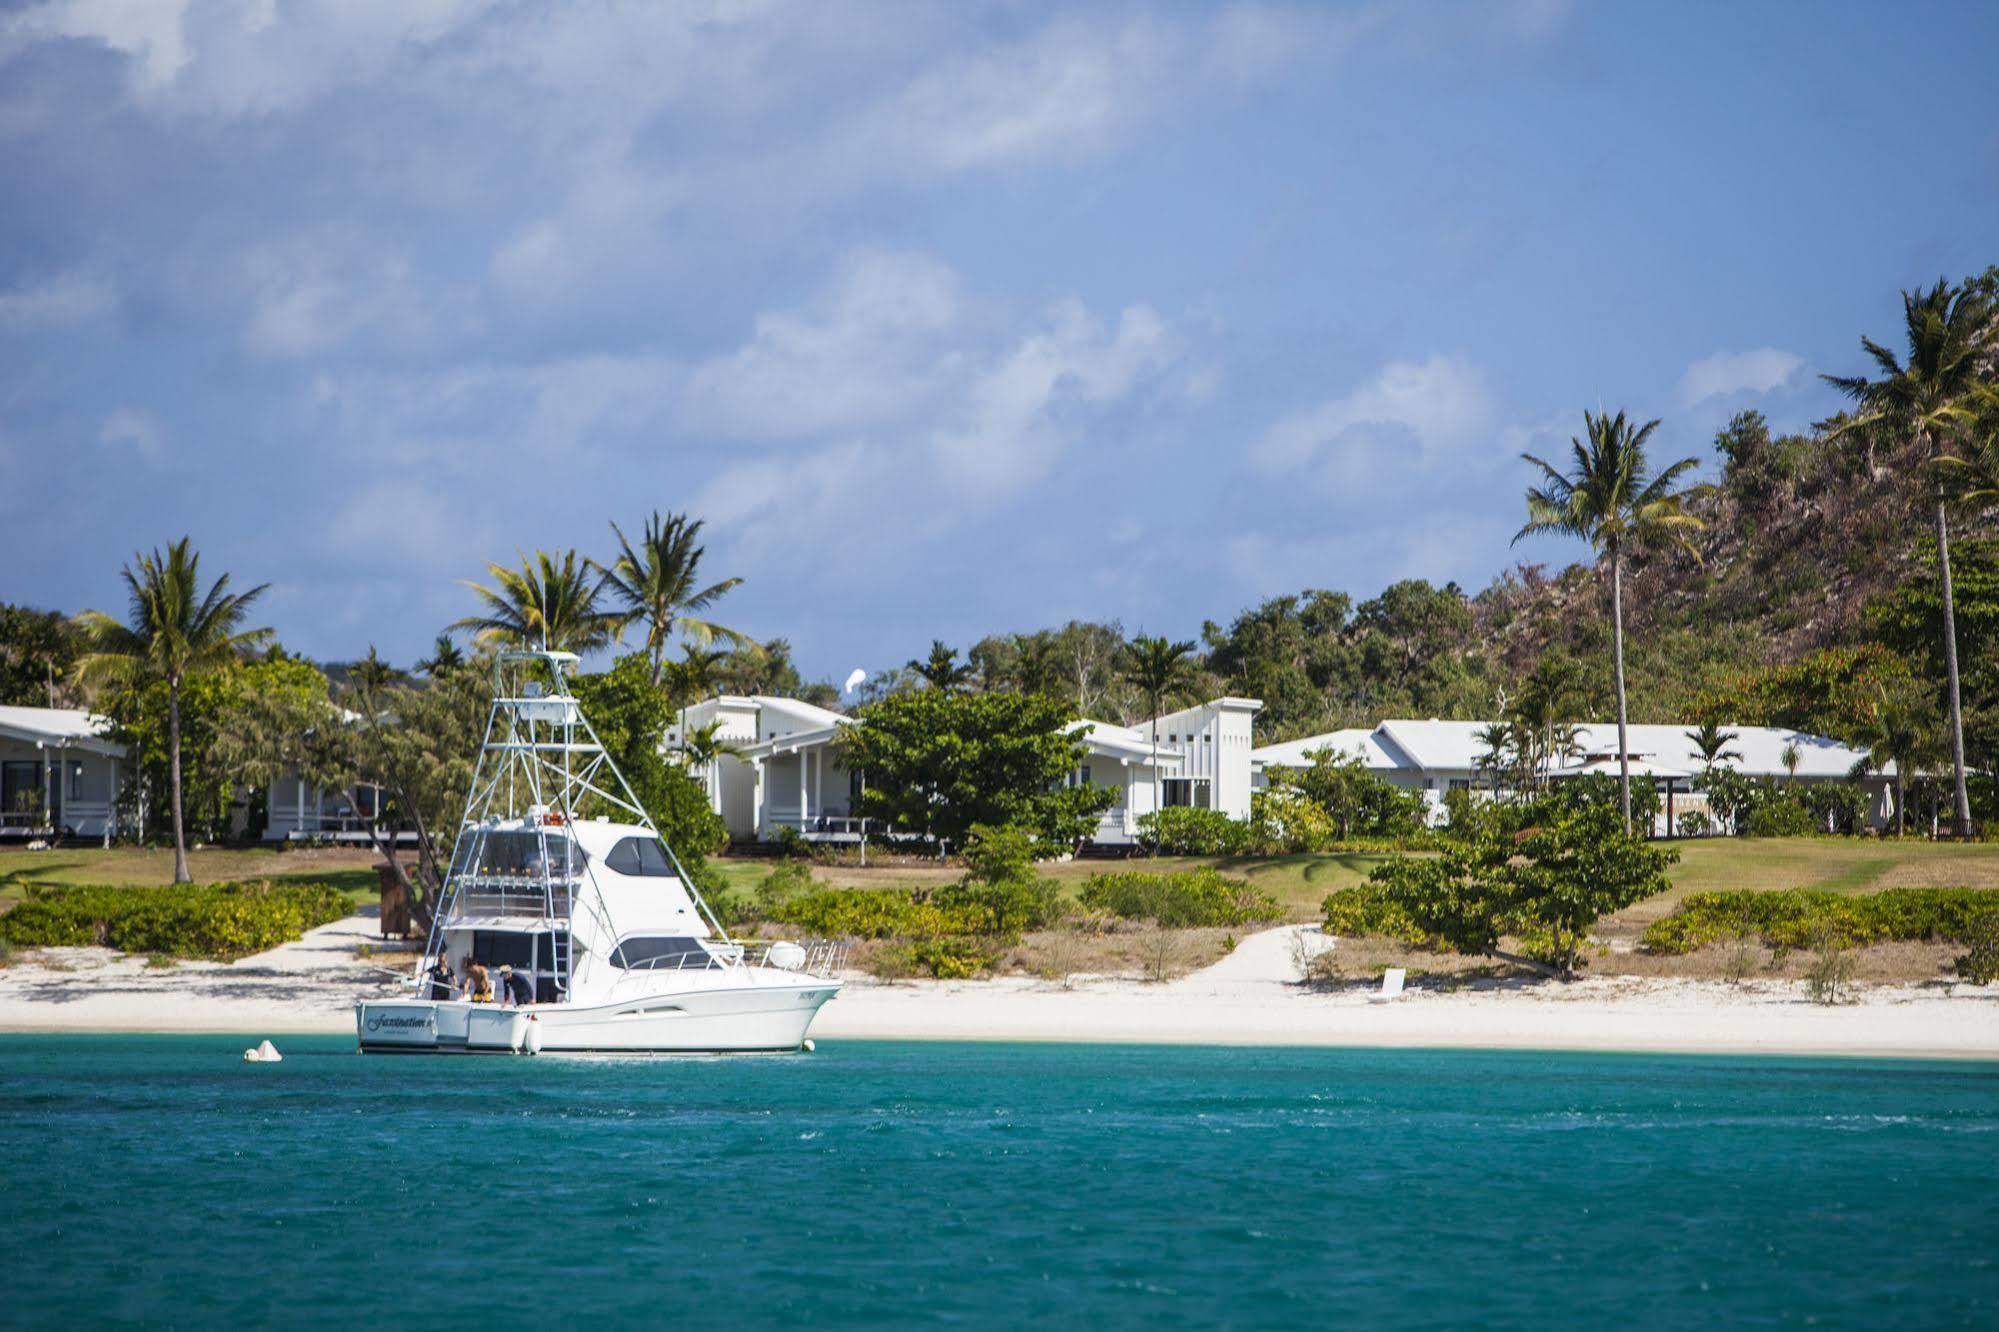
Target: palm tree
(547,603)
(1613,501)
(1497,738)
(1900,728)
(173,631)
(1159,670)
(445,655)
(659,582)
(702,746)
(1711,742)
(1790,758)
(1928,401)
(941,667)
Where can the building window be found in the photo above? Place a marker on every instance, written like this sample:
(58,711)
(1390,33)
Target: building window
(1185,792)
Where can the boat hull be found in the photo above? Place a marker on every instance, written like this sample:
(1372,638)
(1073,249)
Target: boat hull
(710,1020)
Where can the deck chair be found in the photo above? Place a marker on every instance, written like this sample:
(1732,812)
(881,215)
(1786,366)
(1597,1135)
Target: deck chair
(1391,985)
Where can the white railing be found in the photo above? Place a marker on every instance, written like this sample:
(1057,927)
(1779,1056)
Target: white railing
(823,957)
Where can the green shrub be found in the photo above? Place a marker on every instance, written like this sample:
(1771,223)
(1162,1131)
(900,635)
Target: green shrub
(952,959)
(221,922)
(1185,831)
(1781,817)
(1695,823)
(1190,898)
(1979,965)
(1797,918)
(1367,909)
(1005,908)
(1284,821)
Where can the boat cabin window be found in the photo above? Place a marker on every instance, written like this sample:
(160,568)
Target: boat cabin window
(518,853)
(496,948)
(646,952)
(641,857)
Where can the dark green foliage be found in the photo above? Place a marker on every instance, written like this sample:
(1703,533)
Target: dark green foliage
(1828,692)
(1180,900)
(1546,885)
(1185,831)
(219,922)
(631,715)
(1783,816)
(39,651)
(1979,964)
(1003,909)
(1796,918)
(1357,801)
(939,762)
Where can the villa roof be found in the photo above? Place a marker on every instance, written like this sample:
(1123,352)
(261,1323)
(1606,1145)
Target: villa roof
(71,727)
(1454,746)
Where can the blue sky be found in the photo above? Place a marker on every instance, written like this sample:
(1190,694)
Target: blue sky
(949,319)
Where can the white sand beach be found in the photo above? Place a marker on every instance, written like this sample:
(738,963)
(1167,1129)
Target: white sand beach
(1249,998)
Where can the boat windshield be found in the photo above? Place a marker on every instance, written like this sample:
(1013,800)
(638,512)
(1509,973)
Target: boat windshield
(640,857)
(518,853)
(653,952)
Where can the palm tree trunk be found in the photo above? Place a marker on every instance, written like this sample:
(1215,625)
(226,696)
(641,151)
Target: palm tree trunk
(1963,796)
(1617,652)
(181,874)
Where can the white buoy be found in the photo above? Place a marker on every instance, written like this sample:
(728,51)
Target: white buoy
(533,1041)
(807,1045)
(266,1053)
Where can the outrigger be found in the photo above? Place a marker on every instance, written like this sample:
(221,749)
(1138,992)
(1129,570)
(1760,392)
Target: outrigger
(560,874)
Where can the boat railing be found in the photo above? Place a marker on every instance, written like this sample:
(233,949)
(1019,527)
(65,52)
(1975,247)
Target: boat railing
(817,957)
(513,895)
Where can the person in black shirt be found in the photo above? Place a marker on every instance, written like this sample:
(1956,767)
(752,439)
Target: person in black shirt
(516,985)
(443,985)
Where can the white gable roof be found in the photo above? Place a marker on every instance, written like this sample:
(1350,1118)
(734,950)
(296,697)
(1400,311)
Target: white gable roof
(1453,746)
(1358,742)
(58,726)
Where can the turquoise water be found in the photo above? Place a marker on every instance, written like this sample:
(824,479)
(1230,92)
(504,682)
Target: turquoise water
(158,1180)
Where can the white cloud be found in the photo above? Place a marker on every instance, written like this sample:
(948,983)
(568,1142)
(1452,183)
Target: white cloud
(880,339)
(1727,373)
(58,301)
(1439,404)
(129,428)
(1016,412)
(335,286)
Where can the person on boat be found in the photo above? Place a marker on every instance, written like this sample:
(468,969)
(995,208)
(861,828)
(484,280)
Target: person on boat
(479,981)
(518,989)
(443,985)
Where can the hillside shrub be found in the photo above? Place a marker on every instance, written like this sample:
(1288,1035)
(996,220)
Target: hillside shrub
(1005,909)
(1185,831)
(1796,919)
(1186,899)
(218,922)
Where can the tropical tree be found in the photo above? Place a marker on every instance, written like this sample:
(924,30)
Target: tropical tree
(550,602)
(659,582)
(1711,743)
(941,669)
(1614,501)
(173,631)
(445,655)
(1495,740)
(1159,670)
(1902,730)
(1928,401)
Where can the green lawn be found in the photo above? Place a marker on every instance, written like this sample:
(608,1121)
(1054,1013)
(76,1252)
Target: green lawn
(349,869)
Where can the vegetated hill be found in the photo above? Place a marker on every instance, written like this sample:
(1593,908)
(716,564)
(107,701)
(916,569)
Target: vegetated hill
(1801,534)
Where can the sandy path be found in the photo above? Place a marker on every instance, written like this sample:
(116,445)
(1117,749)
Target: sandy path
(1248,998)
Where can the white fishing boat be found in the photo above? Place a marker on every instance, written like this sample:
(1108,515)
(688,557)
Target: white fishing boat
(560,875)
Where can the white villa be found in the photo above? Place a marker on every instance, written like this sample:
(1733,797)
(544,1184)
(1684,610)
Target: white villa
(787,773)
(59,776)
(1436,756)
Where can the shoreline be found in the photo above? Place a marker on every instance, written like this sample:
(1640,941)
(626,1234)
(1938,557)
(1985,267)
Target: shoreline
(1249,1000)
